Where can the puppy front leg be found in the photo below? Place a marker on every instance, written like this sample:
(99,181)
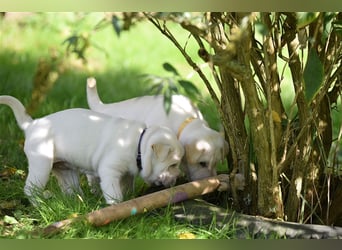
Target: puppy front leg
(110,185)
(68,179)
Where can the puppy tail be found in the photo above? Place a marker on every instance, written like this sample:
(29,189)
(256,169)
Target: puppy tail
(94,101)
(23,119)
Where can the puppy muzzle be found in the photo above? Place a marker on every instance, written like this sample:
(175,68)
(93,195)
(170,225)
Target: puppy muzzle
(166,179)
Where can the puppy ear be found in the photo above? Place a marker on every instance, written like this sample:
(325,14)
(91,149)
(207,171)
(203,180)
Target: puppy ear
(225,146)
(193,153)
(161,151)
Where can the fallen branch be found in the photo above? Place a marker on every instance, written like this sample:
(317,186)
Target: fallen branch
(199,212)
(145,203)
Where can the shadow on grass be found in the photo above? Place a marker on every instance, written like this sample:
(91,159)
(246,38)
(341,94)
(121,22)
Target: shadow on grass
(243,226)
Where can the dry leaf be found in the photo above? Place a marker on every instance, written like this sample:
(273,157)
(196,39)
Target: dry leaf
(186,235)
(7,172)
(276,117)
(9,204)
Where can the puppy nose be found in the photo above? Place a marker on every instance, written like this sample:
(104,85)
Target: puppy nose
(170,182)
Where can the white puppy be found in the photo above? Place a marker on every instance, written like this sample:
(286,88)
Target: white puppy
(204,147)
(82,140)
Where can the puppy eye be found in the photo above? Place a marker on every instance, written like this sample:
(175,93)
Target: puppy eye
(203,164)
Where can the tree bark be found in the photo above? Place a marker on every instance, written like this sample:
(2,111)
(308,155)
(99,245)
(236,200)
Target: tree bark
(269,195)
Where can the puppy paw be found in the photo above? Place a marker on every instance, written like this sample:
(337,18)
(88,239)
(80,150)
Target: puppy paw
(239,182)
(112,202)
(224,182)
(47,194)
(224,186)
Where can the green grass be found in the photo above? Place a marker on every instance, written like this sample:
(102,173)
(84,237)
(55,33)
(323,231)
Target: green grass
(141,50)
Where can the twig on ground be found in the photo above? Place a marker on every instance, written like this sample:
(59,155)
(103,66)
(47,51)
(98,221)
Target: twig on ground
(145,203)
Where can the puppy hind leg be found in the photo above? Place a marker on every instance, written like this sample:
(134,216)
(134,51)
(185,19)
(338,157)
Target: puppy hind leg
(39,150)
(38,175)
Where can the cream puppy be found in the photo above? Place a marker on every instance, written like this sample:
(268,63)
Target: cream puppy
(204,147)
(81,140)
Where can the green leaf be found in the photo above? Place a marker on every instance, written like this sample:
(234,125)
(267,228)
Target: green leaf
(153,79)
(155,89)
(327,25)
(71,40)
(10,220)
(337,27)
(189,88)
(172,85)
(305,18)
(116,25)
(313,75)
(168,67)
(261,28)
(167,100)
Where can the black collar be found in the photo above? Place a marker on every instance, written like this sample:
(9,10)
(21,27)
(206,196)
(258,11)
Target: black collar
(139,150)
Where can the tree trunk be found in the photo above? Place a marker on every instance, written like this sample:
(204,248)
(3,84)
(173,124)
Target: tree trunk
(269,194)
(237,137)
(263,147)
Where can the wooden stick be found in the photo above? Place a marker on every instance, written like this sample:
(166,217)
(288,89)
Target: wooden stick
(145,203)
